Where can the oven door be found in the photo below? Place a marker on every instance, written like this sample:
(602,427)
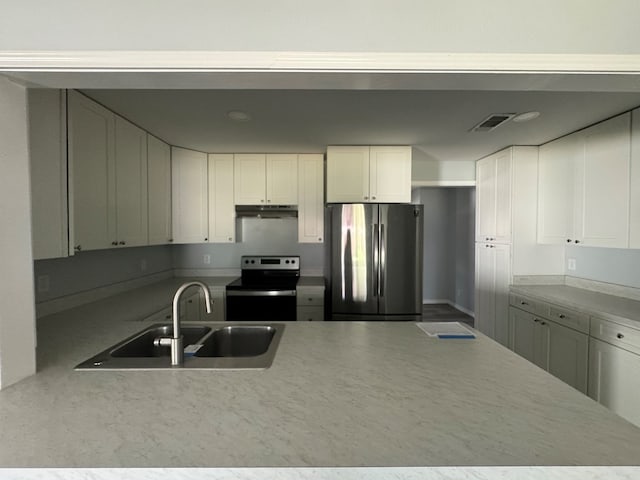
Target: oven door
(261,305)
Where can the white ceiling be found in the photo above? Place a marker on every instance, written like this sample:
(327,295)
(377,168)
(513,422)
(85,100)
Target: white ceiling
(435,121)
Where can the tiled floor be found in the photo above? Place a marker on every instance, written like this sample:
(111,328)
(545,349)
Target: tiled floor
(442,312)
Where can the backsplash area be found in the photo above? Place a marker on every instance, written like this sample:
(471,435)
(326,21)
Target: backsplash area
(85,271)
(254,236)
(611,265)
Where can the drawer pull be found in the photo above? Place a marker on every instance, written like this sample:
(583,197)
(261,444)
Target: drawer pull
(543,323)
(524,303)
(562,315)
(536,320)
(620,336)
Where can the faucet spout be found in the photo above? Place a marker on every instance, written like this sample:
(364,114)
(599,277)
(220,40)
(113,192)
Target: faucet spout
(177,348)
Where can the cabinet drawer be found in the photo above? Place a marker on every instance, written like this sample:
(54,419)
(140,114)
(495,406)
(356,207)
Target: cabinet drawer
(310,297)
(619,335)
(528,305)
(569,318)
(310,314)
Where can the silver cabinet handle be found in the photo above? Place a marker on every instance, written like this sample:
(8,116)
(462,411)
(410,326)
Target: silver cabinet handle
(366,198)
(543,323)
(577,241)
(78,248)
(122,242)
(230,239)
(568,240)
(562,315)
(373,198)
(524,303)
(114,243)
(171,240)
(620,336)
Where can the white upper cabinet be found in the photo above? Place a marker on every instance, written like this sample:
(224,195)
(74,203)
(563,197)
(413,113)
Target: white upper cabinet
(131,184)
(584,186)
(634,194)
(92,174)
(311,198)
(250,179)
(493,201)
(266,179)
(368,174)
(282,179)
(189,196)
(159,190)
(390,174)
(556,185)
(602,190)
(222,212)
(48,156)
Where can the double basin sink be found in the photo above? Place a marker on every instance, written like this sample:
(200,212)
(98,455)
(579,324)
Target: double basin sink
(213,346)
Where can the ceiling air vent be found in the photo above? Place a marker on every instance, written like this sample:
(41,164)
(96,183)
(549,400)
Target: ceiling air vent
(492,121)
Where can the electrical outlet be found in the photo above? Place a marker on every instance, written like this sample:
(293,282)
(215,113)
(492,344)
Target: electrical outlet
(43,283)
(143,265)
(206,259)
(571,263)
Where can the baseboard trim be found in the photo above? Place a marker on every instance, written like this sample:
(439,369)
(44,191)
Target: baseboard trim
(60,304)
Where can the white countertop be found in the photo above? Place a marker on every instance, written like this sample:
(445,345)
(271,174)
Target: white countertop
(622,310)
(338,395)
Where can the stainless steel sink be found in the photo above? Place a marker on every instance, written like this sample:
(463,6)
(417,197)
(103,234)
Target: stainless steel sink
(238,341)
(144,345)
(217,346)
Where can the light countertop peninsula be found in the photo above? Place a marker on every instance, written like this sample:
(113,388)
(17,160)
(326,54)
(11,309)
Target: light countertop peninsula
(341,400)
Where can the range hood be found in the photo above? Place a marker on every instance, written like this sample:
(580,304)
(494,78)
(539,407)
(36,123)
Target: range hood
(266,211)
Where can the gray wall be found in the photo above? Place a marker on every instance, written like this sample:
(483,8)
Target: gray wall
(253,237)
(88,270)
(499,26)
(611,265)
(448,244)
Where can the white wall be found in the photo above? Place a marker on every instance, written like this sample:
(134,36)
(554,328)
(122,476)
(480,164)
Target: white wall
(93,269)
(543,26)
(611,265)
(17,314)
(254,237)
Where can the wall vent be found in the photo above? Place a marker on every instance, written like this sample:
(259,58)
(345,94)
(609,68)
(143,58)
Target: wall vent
(492,122)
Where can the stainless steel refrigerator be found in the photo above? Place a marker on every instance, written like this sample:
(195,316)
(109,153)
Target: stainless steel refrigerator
(375,261)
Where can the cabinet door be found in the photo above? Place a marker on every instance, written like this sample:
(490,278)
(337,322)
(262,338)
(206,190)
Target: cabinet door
(92,174)
(492,290)
(282,179)
(634,207)
(602,218)
(568,355)
(310,198)
(48,157)
(249,179)
(159,190)
(131,184)
(486,199)
(522,334)
(390,174)
(556,189)
(189,196)
(529,337)
(614,379)
(222,212)
(347,174)
(503,161)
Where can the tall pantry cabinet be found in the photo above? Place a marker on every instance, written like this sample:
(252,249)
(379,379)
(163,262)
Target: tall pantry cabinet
(506,204)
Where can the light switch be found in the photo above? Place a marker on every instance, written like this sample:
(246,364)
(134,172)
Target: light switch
(571,263)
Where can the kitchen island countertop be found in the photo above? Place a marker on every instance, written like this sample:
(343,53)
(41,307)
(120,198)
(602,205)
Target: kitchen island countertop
(381,396)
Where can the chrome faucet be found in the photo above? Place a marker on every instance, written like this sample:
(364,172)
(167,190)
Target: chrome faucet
(175,342)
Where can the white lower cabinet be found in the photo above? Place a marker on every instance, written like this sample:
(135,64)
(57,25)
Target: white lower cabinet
(493,275)
(559,348)
(614,379)
(310,303)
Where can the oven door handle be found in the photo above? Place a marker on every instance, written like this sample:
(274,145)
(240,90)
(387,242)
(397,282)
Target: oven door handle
(261,293)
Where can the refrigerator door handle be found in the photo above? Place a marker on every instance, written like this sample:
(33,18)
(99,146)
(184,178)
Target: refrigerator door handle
(376,257)
(382,270)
